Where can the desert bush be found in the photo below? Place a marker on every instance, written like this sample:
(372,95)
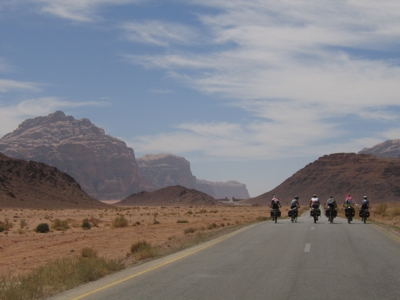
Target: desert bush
(190,212)
(22,223)
(395,212)
(190,230)
(202,211)
(56,277)
(94,221)
(212,226)
(86,224)
(42,228)
(142,250)
(60,225)
(88,252)
(120,222)
(381,208)
(6,225)
(182,221)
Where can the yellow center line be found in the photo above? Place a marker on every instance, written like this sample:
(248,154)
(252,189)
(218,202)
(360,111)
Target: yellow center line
(159,265)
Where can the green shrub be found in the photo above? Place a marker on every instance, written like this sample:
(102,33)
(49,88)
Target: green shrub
(143,249)
(86,224)
(42,228)
(120,222)
(60,225)
(182,221)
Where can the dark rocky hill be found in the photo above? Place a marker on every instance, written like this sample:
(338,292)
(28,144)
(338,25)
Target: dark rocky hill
(36,185)
(339,174)
(172,195)
(389,149)
(103,165)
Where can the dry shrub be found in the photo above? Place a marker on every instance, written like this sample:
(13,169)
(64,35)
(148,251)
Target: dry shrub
(120,222)
(394,212)
(381,208)
(88,252)
(142,250)
(190,230)
(60,225)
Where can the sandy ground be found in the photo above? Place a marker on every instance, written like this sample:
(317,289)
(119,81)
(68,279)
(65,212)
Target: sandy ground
(22,249)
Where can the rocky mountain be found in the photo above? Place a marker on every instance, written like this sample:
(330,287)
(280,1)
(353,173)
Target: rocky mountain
(220,190)
(36,185)
(103,165)
(164,170)
(390,149)
(172,195)
(339,174)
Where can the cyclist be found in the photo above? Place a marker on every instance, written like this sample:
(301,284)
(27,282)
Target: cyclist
(314,202)
(275,204)
(294,205)
(331,203)
(348,205)
(365,203)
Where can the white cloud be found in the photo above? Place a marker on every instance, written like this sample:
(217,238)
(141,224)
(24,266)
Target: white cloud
(159,33)
(299,67)
(12,115)
(78,10)
(7,85)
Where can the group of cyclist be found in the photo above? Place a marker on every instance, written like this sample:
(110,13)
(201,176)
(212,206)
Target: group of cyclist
(348,203)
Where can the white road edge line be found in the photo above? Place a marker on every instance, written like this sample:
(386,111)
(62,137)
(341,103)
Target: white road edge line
(307,247)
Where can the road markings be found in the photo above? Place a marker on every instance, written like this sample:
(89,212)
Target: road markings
(307,247)
(195,250)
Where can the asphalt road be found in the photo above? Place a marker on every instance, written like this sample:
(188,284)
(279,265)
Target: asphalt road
(268,261)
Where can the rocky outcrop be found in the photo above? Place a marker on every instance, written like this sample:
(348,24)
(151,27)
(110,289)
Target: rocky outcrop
(389,149)
(164,170)
(221,190)
(36,185)
(339,174)
(103,165)
(172,195)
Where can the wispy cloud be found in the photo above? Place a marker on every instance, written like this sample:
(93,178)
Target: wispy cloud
(78,10)
(8,85)
(160,33)
(299,67)
(12,115)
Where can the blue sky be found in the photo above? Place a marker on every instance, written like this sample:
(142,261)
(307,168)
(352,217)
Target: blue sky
(245,90)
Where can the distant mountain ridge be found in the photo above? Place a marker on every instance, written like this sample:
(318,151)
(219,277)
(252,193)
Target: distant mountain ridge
(388,149)
(338,174)
(103,165)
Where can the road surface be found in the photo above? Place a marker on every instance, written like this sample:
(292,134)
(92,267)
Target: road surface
(285,260)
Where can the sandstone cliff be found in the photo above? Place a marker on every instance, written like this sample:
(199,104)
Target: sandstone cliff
(220,190)
(36,185)
(164,170)
(339,174)
(389,149)
(103,165)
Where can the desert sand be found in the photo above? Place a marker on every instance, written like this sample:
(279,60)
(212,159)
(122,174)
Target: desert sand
(22,249)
